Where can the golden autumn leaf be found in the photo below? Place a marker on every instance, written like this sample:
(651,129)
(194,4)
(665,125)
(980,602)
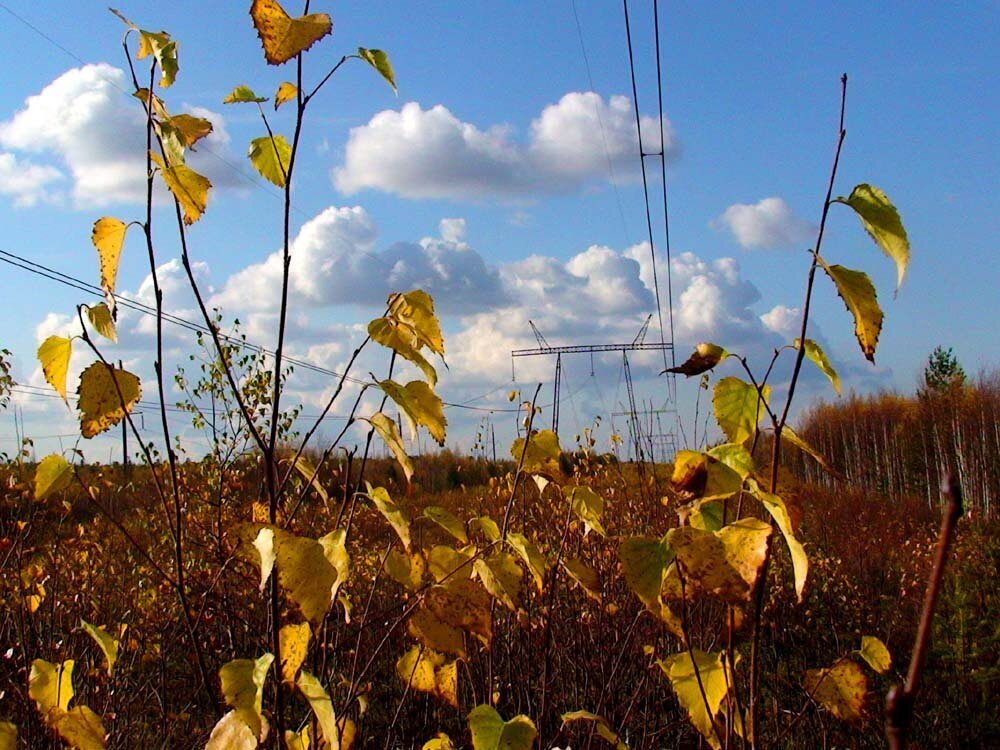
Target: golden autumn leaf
(285,93)
(294,645)
(858,294)
(108,236)
(189,188)
(282,36)
(101,318)
(52,475)
(53,356)
(271,157)
(100,397)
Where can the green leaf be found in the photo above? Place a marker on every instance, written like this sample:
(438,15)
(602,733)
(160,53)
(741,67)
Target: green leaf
(491,732)
(105,641)
(402,339)
(243,95)
(108,236)
(285,93)
(319,700)
(858,294)
(284,37)
(98,400)
(243,688)
(735,456)
(53,355)
(645,560)
(841,689)
(604,730)
(787,433)
(739,408)
(416,309)
(501,576)
(380,61)
(542,453)
(447,521)
(684,672)
(100,317)
(818,357)
(231,733)
(876,654)
(387,430)
(53,474)
(189,188)
(391,512)
(588,507)
(50,685)
(881,220)
(420,405)
(705,357)
(779,512)
(271,157)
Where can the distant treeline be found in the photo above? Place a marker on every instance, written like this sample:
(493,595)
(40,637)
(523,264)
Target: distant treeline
(900,446)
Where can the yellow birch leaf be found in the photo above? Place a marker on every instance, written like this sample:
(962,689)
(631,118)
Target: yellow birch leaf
(243,688)
(387,430)
(645,560)
(440,742)
(192,129)
(447,564)
(720,564)
(436,634)
(604,731)
(858,294)
(380,61)
(840,689)
(490,732)
(684,672)
(542,453)
(447,521)
(881,220)
(305,467)
(102,320)
(420,405)
(416,309)
(243,95)
(402,339)
(528,551)
(818,357)
(739,408)
(298,740)
(52,475)
(264,544)
(108,236)
(588,507)
(319,700)
(271,158)
(585,576)
(284,37)
(294,645)
(501,576)
(391,512)
(779,512)
(416,668)
(876,654)
(8,736)
(189,188)
(53,355)
(50,685)
(164,49)
(81,729)
(787,433)
(462,603)
(407,570)
(285,93)
(231,733)
(105,641)
(98,400)
(310,571)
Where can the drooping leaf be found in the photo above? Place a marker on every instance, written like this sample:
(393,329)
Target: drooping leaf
(402,339)
(81,728)
(286,92)
(601,726)
(294,645)
(105,641)
(271,157)
(50,685)
(284,37)
(387,430)
(98,400)
(645,560)
(243,688)
(391,512)
(231,733)
(875,653)
(818,357)
(104,324)
(380,61)
(264,544)
(310,571)
(191,128)
(420,405)
(881,220)
(426,670)
(588,507)
(319,700)
(528,551)
(739,408)
(53,355)
(501,576)
(436,634)
(52,475)
(447,521)
(684,672)
(108,236)
(305,467)
(840,689)
(542,453)
(585,576)
(858,294)
(243,95)
(164,49)
(704,358)
(779,512)
(787,433)
(490,732)
(416,309)
(189,188)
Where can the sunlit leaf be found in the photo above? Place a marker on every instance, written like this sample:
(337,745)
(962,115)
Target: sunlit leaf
(603,729)
(405,569)
(298,740)
(787,433)
(189,188)
(391,512)
(243,688)
(380,61)
(271,157)
(818,357)
(701,476)
(881,220)
(779,512)
(243,95)
(264,543)
(416,309)
(588,507)
(50,685)
(645,560)
(440,742)
(164,49)
(704,358)
(53,355)
(684,672)
(294,645)
(488,526)
(231,733)
(528,551)
(704,515)
(52,475)
(542,453)
(739,408)
(310,571)
(304,465)
(100,318)
(191,128)
(490,732)
(584,575)
(105,641)
(402,339)
(447,521)
(81,728)
(284,37)
(420,405)
(446,563)
(840,689)
(319,700)
(735,456)
(501,576)
(286,92)
(858,294)
(98,400)
(426,670)
(108,236)
(389,432)
(876,654)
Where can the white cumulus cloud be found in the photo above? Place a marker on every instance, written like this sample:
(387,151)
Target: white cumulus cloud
(28,183)
(769,223)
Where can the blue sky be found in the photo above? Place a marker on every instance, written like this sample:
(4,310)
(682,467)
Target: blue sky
(504,178)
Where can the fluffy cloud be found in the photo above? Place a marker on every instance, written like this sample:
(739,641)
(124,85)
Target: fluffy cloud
(87,123)
(430,153)
(28,183)
(769,223)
